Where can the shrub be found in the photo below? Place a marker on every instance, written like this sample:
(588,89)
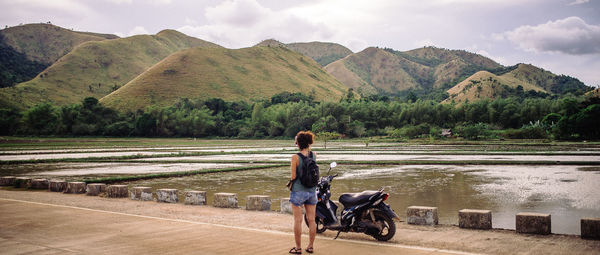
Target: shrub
(526,132)
(473,131)
(415,131)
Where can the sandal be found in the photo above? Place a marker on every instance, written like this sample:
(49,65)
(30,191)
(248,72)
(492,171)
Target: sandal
(310,250)
(295,251)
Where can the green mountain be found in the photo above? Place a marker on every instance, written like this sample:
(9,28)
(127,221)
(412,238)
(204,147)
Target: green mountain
(240,74)
(322,52)
(389,72)
(97,68)
(27,50)
(518,80)
(46,43)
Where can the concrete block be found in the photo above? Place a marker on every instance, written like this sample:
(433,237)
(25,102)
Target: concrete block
(22,182)
(141,193)
(286,205)
(95,189)
(39,184)
(57,185)
(590,228)
(75,188)
(167,196)
(225,200)
(477,219)
(533,223)
(7,181)
(422,215)
(194,197)
(258,203)
(117,191)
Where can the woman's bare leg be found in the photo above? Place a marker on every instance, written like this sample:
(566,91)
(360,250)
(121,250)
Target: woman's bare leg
(312,226)
(297,210)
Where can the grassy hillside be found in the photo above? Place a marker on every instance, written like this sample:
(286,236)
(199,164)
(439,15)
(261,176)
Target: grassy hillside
(343,74)
(484,84)
(27,50)
(557,84)
(322,52)
(270,43)
(97,69)
(15,67)
(593,93)
(391,72)
(46,43)
(241,74)
(524,79)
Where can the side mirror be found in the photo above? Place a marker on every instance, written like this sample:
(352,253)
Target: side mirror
(333,164)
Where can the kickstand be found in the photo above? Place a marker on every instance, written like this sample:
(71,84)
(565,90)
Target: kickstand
(338,234)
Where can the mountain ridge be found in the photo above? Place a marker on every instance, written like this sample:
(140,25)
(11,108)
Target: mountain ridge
(97,68)
(50,42)
(390,72)
(245,74)
(321,52)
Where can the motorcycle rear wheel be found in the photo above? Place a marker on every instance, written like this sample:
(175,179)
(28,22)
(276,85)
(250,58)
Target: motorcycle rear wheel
(389,227)
(320,225)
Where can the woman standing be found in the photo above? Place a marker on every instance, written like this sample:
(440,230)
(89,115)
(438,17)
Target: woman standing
(302,195)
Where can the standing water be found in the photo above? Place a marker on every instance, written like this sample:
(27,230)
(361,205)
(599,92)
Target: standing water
(568,193)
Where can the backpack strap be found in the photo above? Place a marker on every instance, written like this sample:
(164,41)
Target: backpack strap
(310,155)
(300,162)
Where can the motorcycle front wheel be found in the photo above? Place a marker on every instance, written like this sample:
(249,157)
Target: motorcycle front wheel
(319,222)
(388,226)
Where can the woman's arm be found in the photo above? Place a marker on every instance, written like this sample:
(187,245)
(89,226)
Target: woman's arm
(293,166)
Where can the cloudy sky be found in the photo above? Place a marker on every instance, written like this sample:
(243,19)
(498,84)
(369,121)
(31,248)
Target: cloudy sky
(562,36)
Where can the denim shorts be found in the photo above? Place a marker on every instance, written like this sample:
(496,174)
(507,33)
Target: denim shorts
(299,198)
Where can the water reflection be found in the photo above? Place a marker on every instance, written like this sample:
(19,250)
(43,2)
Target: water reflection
(566,192)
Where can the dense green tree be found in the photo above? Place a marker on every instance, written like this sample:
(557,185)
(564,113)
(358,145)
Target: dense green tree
(41,120)
(9,121)
(145,125)
(287,113)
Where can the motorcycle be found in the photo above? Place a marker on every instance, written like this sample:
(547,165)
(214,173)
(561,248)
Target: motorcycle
(364,212)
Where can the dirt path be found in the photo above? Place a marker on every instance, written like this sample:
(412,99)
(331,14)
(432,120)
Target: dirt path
(52,223)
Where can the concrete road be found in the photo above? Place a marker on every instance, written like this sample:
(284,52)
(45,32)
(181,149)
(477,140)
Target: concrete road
(41,222)
(42,228)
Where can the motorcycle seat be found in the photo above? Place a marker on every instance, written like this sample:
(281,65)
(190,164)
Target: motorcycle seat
(350,199)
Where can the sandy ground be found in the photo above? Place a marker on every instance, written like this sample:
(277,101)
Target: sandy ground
(23,223)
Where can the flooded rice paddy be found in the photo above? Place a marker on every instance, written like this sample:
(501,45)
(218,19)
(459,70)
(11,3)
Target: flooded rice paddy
(368,156)
(68,170)
(568,193)
(547,180)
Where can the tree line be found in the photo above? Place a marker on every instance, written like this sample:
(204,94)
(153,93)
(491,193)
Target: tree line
(287,113)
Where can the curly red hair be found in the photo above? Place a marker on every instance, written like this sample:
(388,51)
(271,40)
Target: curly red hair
(304,139)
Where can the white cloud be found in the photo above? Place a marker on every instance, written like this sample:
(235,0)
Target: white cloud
(70,6)
(424,43)
(498,59)
(137,30)
(570,36)
(237,13)
(155,2)
(243,23)
(190,21)
(121,1)
(576,2)
(159,2)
